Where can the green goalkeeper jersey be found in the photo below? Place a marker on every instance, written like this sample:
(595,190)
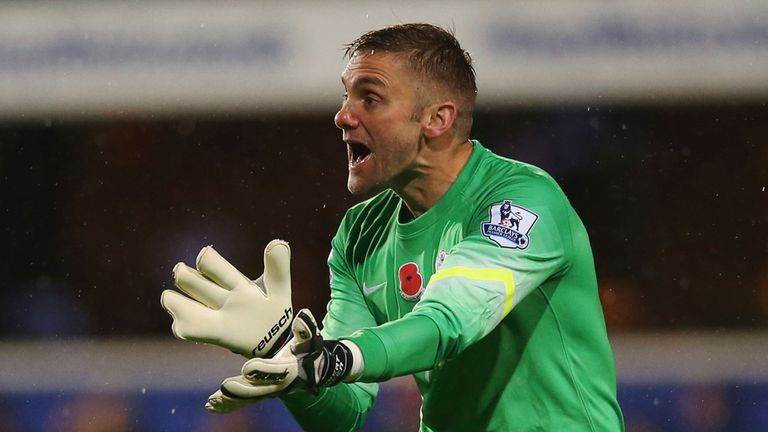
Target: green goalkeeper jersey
(489,299)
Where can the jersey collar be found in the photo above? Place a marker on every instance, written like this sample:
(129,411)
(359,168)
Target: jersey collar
(443,209)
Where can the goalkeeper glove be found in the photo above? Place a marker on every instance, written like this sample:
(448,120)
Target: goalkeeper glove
(228,309)
(224,401)
(308,362)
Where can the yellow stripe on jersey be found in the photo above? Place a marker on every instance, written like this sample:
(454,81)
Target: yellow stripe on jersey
(482,274)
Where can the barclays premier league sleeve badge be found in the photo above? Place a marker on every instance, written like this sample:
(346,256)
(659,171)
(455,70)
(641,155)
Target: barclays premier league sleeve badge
(509,225)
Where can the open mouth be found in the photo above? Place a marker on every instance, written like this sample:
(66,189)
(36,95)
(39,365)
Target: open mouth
(357,153)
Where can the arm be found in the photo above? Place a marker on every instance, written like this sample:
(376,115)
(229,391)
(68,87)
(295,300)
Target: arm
(479,283)
(344,406)
(340,408)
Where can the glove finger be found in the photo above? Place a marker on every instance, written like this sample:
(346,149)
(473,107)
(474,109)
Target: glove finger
(304,326)
(266,371)
(237,388)
(219,403)
(191,320)
(213,266)
(198,286)
(216,403)
(277,268)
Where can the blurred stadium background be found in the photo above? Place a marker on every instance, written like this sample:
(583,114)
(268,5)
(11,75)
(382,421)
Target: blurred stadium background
(134,133)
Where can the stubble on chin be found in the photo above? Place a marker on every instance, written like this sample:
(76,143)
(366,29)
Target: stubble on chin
(361,188)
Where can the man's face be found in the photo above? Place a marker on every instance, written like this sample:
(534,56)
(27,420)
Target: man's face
(379,122)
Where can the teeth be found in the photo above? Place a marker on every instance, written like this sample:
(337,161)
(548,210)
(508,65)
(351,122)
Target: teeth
(358,153)
(356,160)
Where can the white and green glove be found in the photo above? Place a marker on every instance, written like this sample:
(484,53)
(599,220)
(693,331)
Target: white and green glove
(228,309)
(307,363)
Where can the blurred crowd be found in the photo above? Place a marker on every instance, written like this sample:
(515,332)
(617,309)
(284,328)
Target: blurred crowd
(95,214)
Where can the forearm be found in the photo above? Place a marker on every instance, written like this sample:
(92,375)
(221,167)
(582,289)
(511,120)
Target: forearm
(410,344)
(340,408)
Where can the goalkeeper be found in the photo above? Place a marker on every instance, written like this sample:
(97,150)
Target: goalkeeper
(469,271)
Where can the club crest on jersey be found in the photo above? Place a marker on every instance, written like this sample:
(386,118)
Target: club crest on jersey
(440,259)
(509,225)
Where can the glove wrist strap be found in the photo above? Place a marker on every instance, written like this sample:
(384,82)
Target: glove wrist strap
(337,364)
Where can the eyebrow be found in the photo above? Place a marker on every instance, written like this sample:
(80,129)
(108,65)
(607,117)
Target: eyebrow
(370,80)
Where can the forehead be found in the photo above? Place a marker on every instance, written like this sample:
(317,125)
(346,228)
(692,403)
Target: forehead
(384,69)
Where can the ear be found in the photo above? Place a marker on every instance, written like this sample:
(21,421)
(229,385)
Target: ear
(441,117)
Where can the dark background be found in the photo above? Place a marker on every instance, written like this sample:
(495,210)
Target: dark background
(94,214)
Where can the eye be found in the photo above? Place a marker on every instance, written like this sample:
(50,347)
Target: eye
(370,100)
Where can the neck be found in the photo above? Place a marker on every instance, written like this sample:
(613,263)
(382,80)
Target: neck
(436,172)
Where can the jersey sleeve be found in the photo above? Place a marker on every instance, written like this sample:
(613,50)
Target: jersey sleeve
(347,310)
(495,267)
(345,406)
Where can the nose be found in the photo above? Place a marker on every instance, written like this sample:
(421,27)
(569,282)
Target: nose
(344,119)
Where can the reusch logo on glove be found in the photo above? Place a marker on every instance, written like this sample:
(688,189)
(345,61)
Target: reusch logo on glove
(267,376)
(275,330)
